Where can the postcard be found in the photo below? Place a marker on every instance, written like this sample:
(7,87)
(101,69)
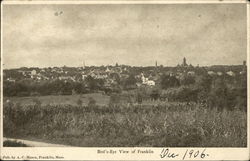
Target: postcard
(125,80)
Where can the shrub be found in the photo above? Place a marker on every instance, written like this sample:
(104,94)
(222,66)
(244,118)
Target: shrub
(92,102)
(115,99)
(79,102)
(10,143)
(37,102)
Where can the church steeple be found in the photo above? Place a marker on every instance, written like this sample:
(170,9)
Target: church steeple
(184,62)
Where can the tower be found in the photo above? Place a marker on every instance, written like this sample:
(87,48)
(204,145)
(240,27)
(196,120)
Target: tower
(184,62)
(83,64)
(244,63)
(155,63)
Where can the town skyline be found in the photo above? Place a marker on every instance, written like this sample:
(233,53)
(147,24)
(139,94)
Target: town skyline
(115,64)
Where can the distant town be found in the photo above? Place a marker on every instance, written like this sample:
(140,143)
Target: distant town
(87,79)
(145,75)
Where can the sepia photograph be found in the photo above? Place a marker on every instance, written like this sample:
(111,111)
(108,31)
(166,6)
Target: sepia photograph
(124,75)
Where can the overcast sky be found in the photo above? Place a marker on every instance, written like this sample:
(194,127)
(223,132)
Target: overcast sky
(206,34)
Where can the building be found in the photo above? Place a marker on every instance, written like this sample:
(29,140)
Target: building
(219,73)
(211,73)
(244,69)
(231,73)
(244,63)
(184,63)
(191,73)
(33,72)
(146,81)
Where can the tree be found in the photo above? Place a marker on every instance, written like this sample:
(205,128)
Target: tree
(218,96)
(203,82)
(155,94)
(187,80)
(91,83)
(168,81)
(130,82)
(92,102)
(79,88)
(79,102)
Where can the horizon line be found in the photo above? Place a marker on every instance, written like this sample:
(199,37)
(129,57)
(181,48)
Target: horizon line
(122,65)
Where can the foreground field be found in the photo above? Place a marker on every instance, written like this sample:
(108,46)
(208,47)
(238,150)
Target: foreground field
(175,125)
(61,99)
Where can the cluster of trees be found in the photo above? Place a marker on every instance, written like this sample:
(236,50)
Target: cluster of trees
(57,87)
(60,87)
(214,92)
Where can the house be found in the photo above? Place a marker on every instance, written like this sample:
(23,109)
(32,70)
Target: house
(231,73)
(243,72)
(219,73)
(84,76)
(67,78)
(107,70)
(150,83)
(33,72)
(211,73)
(24,73)
(192,73)
(138,84)
(100,76)
(11,80)
(146,81)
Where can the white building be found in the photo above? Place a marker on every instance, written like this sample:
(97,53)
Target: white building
(211,73)
(219,73)
(107,70)
(147,82)
(33,72)
(231,73)
(192,73)
(243,72)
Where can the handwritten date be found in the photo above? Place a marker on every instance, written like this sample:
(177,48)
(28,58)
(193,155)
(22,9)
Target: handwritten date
(189,154)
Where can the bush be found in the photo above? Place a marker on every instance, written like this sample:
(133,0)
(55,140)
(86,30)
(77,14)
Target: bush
(10,143)
(155,94)
(184,94)
(79,102)
(92,102)
(168,81)
(37,102)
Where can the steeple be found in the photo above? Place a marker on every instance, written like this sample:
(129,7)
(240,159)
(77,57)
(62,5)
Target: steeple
(184,62)
(244,63)
(83,64)
(83,61)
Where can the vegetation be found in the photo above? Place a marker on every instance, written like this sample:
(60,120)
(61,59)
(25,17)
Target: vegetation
(10,143)
(190,110)
(161,124)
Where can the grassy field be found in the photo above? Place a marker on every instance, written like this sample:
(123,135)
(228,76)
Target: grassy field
(101,125)
(101,99)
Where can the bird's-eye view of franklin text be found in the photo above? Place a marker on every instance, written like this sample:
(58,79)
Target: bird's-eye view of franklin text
(124,75)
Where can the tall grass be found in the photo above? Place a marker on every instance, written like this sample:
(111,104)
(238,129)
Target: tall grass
(161,125)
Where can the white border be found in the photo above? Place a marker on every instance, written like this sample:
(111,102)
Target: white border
(1,89)
(248,75)
(76,153)
(123,2)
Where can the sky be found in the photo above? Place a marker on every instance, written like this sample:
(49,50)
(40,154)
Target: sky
(130,34)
